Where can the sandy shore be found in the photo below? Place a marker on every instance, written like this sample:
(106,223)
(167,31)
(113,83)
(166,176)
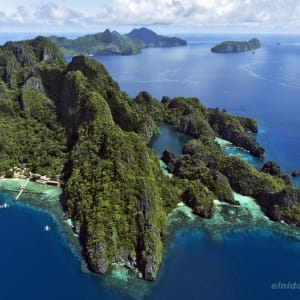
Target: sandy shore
(45,197)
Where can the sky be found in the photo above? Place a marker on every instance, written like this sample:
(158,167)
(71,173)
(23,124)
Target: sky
(177,16)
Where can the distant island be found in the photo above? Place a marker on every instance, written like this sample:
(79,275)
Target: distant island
(149,39)
(235,46)
(114,43)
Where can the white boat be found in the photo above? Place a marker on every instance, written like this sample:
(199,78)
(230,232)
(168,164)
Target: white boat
(5,205)
(47,228)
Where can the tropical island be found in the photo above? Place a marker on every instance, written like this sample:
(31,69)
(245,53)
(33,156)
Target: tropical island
(73,121)
(235,46)
(114,43)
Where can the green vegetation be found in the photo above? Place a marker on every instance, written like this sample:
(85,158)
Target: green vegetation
(245,179)
(236,130)
(200,198)
(74,120)
(233,46)
(204,161)
(30,135)
(148,38)
(95,44)
(113,43)
(292,214)
(115,190)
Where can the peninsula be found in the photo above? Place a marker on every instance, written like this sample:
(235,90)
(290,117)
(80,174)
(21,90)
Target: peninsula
(114,43)
(234,46)
(73,120)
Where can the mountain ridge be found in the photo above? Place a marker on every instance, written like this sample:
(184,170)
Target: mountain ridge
(114,43)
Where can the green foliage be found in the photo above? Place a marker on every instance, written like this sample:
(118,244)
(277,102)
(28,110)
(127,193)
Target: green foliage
(249,124)
(235,129)
(148,38)
(245,179)
(205,149)
(116,192)
(179,107)
(108,43)
(99,43)
(148,105)
(193,168)
(292,213)
(221,121)
(199,198)
(9,174)
(29,132)
(236,46)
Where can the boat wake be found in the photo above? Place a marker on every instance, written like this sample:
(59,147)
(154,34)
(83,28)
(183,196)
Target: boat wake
(286,82)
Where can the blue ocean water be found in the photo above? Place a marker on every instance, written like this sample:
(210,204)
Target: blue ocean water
(39,265)
(243,265)
(265,85)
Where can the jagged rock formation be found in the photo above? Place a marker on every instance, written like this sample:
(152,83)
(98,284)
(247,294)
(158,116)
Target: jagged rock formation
(273,169)
(29,131)
(236,130)
(234,46)
(203,160)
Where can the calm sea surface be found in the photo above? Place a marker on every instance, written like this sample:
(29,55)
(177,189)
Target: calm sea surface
(241,265)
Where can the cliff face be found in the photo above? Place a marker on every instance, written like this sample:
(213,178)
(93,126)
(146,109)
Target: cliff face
(234,46)
(114,188)
(30,134)
(236,130)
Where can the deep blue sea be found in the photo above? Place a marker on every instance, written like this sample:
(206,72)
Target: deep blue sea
(243,264)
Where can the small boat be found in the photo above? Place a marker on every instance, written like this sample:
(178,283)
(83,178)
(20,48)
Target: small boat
(47,228)
(253,52)
(5,205)
(278,44)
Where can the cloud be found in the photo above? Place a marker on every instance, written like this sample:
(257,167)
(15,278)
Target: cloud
(51,13)
(149,12)
(190,13)
(20,16)
(47,13)
(294,18)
